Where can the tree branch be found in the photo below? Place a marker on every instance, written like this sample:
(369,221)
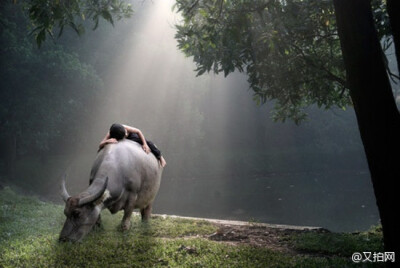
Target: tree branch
(328,73)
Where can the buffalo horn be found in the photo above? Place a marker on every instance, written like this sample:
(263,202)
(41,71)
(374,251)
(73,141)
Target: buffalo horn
(63,190)
(95,191)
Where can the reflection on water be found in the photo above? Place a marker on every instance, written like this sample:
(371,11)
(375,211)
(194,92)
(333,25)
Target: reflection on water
(338,201)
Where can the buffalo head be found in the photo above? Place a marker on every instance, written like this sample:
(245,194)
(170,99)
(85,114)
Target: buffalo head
(83,210)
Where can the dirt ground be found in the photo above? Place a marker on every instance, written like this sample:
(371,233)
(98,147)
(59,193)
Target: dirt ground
(259,236)
(271,236)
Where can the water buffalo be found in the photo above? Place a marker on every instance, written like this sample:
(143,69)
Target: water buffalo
(123,177)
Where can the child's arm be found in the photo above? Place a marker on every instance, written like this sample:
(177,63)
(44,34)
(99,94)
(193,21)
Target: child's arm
(107,140)
(130,129)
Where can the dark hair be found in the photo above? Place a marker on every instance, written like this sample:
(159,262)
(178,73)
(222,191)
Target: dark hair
(117,131)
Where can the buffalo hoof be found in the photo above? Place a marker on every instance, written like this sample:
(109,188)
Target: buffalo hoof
(125,225)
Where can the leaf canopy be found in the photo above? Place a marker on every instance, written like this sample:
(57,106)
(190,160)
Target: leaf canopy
(289,49)
(49,16)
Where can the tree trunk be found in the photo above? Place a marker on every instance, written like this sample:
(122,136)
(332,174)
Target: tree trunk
(377,115)
(393,7)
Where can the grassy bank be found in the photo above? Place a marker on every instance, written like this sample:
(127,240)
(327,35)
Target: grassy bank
(29,230)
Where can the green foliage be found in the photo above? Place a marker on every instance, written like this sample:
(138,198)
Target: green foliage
(41,89)
(29,231)
(290,50)
(47,16)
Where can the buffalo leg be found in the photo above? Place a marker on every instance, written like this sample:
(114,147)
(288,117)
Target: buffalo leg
(146,213)
(98,222)
(129,207)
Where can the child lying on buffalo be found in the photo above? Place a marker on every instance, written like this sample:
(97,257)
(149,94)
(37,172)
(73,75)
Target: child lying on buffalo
(118,132)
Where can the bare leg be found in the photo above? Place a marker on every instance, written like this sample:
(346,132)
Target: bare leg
(126,220)
(146,212)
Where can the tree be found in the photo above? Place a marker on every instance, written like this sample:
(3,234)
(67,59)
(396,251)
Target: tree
(377,115)
(393,11)
(292,53)
(41,96)
(250,36)
(49,16)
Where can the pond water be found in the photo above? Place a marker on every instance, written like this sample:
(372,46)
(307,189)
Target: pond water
(341,201)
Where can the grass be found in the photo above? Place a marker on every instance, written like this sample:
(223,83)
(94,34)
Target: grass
(29,231)
(340,244)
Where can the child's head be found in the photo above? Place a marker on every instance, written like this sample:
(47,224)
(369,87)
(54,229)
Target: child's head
(117,131)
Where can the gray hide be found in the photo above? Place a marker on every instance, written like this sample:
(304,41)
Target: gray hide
(123,177)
